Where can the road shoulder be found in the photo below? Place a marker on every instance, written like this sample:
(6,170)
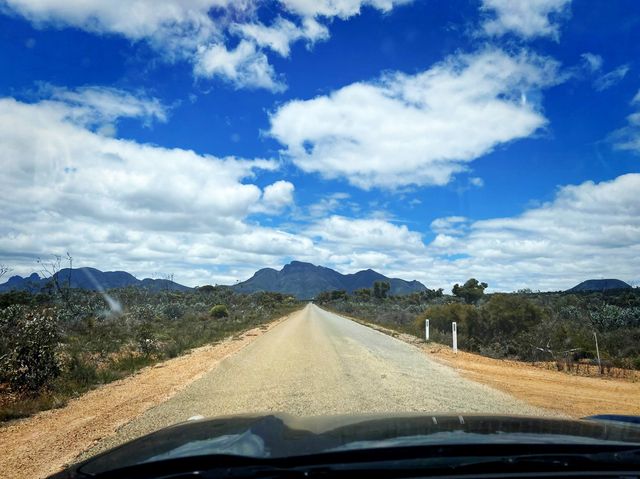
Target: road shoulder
(560,392)
(42,444)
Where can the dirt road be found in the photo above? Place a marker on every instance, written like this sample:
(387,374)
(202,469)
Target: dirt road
(316,363)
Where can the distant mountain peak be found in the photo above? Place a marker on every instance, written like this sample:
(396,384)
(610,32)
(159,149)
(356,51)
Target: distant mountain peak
(600,285)
(306,281)
(299,264)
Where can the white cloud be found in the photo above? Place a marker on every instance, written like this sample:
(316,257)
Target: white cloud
(134,19)
(279,36)
(243,66)
(199,31)
(344,234)
(118,204)
(338,8)
(628,137)
(416,129)
(278,195)
(328,204)
(75,171)
(610,79)
(100,107)
(476,181)
(591,230)
(528,18)
(593,61)
(449,225)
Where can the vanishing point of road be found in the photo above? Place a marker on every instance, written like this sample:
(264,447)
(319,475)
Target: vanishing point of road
(318,363)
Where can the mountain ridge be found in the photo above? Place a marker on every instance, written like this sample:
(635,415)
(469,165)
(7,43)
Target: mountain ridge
(306,281)
(90,279)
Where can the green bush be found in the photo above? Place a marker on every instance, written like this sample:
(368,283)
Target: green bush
(30,364)
(80,373)
(219,311)
(442,315)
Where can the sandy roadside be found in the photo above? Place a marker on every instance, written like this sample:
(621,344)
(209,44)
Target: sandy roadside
(568,394)
(575,396)
(41,445)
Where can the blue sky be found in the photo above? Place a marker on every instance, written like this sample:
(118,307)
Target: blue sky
(430,140)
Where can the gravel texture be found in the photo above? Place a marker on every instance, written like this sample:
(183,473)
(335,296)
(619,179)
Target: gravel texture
(318,363)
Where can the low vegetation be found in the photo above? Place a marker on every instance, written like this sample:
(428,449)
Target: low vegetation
(54,346)
(560,328)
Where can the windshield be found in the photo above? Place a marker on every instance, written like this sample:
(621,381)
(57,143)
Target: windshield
(214,208)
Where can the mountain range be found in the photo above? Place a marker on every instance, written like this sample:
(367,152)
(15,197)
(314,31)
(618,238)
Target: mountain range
(306,281)
(90,279)
(302,280)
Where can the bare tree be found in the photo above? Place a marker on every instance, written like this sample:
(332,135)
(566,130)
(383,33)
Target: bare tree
(70,260)
(4,269)
(168,279)
(51,270)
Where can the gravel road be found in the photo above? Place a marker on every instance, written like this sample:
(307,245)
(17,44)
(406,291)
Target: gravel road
(317,363)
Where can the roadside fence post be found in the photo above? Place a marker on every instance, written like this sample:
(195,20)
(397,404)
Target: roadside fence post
(454,333)
(598,353)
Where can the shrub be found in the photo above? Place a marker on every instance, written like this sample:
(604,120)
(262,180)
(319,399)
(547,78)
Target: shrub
(81,373)
(219,311)
(441,316)
(30,363)
(15,297)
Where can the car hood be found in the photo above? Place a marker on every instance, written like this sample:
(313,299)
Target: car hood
(281,435)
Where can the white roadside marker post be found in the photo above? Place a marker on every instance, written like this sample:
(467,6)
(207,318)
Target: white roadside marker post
(454,333)
(426,330)
(598,353)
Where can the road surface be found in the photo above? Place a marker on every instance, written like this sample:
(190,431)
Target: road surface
(317,363)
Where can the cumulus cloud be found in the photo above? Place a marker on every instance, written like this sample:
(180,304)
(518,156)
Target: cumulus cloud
(117,204)
(345,234)
(134,19)
(76,171)
(416,129)
(203,32)
(121,204)
(590,230)
(528,19)
(610,79)
(243,66)
(277,196)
